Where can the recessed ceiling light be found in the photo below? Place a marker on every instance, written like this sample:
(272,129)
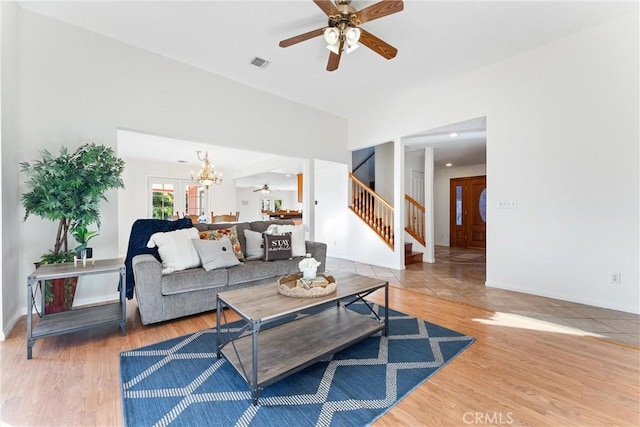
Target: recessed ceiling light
(449,165)
(182,161)
(453,134)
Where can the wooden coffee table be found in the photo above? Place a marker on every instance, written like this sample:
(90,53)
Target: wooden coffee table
(264,357)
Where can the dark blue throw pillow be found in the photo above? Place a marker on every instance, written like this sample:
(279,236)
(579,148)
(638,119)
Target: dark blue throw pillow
(141,231)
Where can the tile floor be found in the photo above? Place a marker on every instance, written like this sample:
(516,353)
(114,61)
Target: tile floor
(459,275)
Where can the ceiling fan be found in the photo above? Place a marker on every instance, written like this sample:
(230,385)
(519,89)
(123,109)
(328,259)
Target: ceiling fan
(343,31)
(265,189)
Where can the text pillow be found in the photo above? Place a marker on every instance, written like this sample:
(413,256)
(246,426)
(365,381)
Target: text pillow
(255,244)
(215,253)
(231,233)
(176,250)
(277,246)
(298,243)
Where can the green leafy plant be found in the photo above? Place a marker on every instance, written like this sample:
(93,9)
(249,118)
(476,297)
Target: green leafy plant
(68,188)
(82,235)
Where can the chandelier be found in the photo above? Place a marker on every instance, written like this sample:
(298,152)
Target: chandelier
(207,175)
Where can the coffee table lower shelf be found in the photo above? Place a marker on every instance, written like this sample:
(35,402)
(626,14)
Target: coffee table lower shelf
(298,344)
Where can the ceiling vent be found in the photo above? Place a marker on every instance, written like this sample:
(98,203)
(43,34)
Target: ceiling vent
(259,62)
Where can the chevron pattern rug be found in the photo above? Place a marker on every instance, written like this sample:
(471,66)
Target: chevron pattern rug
(180,381)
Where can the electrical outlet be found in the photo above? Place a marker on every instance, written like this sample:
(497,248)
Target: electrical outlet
(507,204)
(614,278)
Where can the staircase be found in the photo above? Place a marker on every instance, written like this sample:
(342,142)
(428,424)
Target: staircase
(411,257)
(376,212)
(415,219)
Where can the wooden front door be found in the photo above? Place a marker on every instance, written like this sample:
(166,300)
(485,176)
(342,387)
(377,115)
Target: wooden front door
(468,212)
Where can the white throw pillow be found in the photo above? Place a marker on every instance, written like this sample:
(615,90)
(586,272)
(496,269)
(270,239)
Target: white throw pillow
(272,229)
(215,253)
(298,243)
(176,250)
(255,244)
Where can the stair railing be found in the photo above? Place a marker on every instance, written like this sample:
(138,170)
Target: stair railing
(376,212)
(415,219)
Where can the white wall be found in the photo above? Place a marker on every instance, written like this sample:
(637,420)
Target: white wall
(76,86)
(346,235)
(13,284)
(442,194)
(414,161)
(562,140)
(384,171)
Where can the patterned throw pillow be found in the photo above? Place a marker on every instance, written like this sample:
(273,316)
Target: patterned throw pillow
(231,233)
(277,246)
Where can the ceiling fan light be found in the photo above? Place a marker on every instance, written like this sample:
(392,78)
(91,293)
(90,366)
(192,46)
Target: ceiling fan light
(352,35)
(351,47)
(333,48)
(331,35)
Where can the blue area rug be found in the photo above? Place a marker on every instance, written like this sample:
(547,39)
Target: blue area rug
(180,381)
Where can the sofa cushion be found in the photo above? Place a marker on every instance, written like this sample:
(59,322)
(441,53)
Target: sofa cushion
(175,249)
(277,246)
(215,253)
(231,233)
(251,271)
(194,279)
(287,266)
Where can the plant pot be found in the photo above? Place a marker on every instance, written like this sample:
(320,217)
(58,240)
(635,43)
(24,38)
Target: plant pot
(59,294)
(85,253)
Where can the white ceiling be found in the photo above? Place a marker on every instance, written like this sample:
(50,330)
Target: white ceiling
(436,40)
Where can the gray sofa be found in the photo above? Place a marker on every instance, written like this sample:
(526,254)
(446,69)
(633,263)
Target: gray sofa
(181,293)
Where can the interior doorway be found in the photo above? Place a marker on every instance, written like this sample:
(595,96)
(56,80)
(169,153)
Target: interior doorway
(468,212)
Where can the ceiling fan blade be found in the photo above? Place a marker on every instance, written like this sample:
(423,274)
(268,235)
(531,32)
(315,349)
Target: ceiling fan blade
(327,7)
(301,37)
(377,45)
(378,10)
(334,59)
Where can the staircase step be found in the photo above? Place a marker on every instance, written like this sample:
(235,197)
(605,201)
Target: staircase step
(412,258)
(408,248)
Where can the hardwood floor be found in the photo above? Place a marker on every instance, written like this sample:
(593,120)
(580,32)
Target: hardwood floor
(516,373)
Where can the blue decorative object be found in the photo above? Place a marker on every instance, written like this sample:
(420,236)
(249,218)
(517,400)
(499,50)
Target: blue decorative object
(482,205)
(181,382)
(141,231)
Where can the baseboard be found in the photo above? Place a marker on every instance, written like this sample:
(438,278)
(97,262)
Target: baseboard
(9,327)
(585,301)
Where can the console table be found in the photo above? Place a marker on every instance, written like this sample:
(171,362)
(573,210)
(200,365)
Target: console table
(79,318)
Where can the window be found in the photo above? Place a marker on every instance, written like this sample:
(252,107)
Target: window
(458,204)
(172,198)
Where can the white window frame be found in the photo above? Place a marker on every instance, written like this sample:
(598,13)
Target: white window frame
(180,189)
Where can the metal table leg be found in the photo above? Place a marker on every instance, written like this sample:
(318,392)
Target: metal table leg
(30,339)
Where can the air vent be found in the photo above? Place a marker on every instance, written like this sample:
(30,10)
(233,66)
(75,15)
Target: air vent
(259,62)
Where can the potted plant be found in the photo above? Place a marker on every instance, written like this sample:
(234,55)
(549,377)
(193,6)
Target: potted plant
(82,235)
(68,188)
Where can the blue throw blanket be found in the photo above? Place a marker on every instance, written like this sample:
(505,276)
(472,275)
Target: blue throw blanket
(141,231)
